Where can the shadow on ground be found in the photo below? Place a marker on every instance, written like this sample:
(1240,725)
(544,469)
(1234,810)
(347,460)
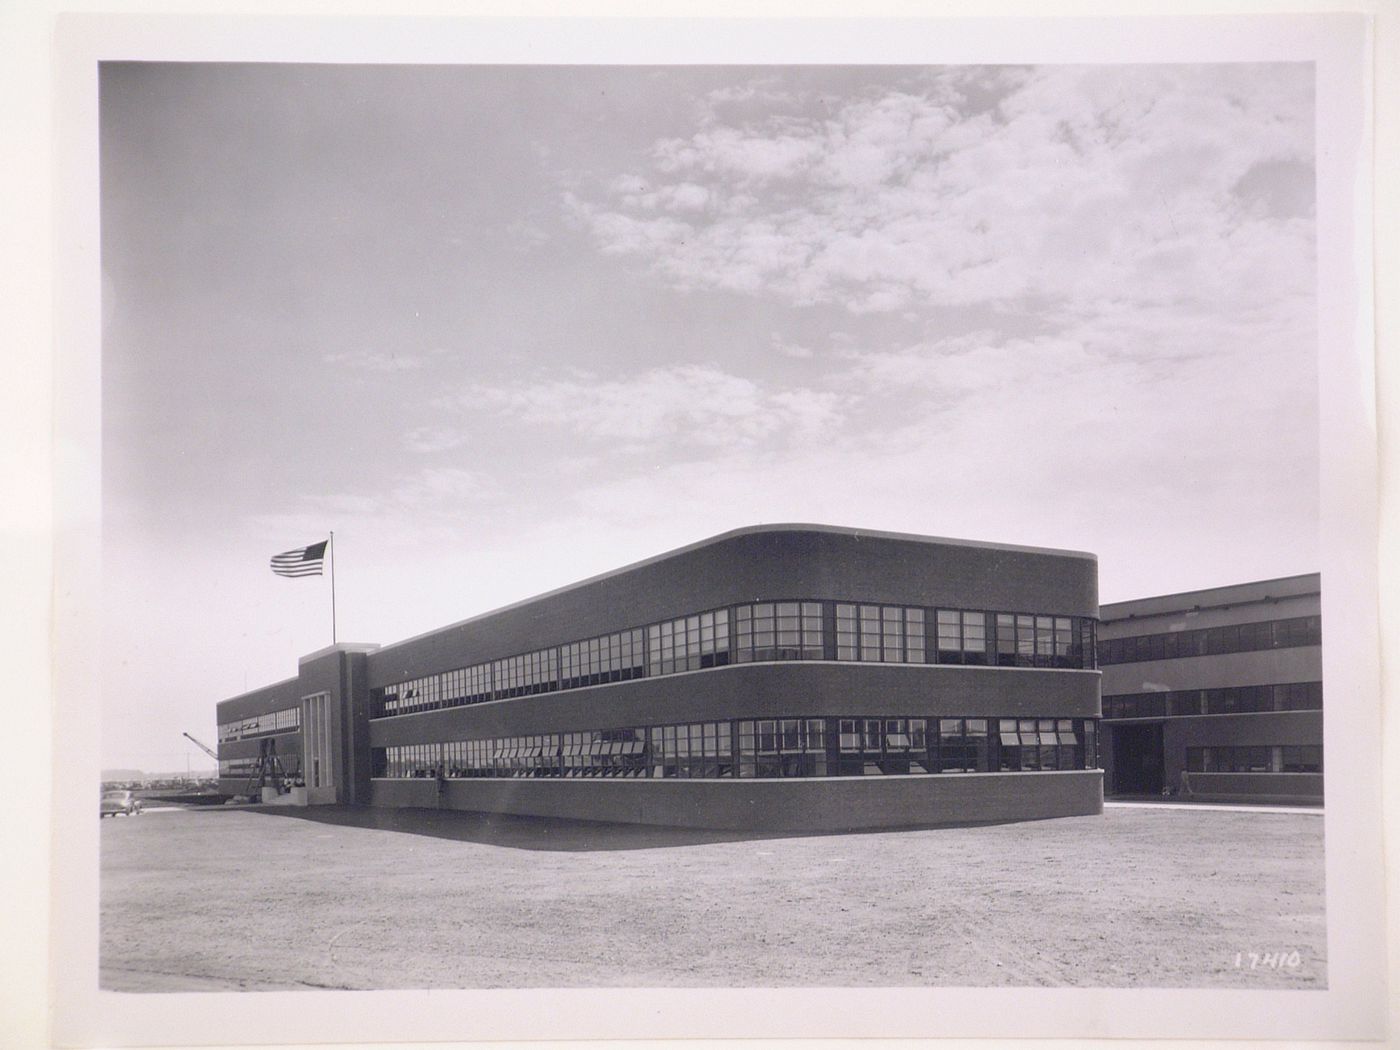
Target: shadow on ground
(530,833)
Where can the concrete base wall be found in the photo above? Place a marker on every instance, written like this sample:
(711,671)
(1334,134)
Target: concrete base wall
(294,797)
(322,796)
(811,805)
(1252,787)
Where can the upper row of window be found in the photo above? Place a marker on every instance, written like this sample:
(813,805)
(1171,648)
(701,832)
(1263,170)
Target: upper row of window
(756,632)
(1213,641)
(284,721)
(1226,700)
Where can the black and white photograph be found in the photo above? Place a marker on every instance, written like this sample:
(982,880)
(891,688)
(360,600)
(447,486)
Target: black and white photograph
(631,525)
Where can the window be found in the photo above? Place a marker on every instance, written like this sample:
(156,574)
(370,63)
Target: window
(527,674)
(847,633)
(1302,630)
(901,754)
(1009,744)
(1185,702)
(1045,743)
(782,747)
(1065,653)
(696,750)
(287,720)
(689,643)
(1087,654)
(1266,758)
(789,746)
(467,685)
(778,631)
(962,745)
(238,767)
(1298,696)
(962,637)
(1240,699)
(1305,758)
(411,761)
(761,631)
(1026,640)
(620,753)
(870,646)
(882,746)
(880,633)
(1044,641)
(1214,641)
(1030,743)
(1244,699)
(1016,640)
(616,657)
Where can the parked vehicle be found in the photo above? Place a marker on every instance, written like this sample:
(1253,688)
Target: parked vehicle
(114,802)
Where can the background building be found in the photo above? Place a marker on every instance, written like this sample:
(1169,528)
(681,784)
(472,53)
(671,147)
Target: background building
(786,677)
(1215,694)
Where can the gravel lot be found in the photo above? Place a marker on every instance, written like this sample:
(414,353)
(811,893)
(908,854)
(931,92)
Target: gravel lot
(251,899)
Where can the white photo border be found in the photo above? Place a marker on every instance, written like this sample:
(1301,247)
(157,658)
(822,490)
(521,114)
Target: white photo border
(1354,1003)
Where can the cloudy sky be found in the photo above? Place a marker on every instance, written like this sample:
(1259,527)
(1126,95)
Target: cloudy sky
(501,328)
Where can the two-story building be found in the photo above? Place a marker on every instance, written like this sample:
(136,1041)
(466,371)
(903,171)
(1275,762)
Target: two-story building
(790,677)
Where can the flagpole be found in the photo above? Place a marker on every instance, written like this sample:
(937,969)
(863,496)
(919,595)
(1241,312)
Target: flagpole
(332,546)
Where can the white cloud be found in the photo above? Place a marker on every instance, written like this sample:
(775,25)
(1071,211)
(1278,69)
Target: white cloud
(691,404)
(957,367)
(1085,183)
(735,154)
(1053,440)
(526,235)
(767,91)
(427,504)
(435,439)
(793,350)
(374,361)
(688,196)
(808,412)
(437,489)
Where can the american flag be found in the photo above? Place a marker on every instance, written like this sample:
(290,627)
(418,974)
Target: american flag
(304,561)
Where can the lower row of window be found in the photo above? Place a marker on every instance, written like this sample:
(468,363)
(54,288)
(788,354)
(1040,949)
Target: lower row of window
(1265,758)
(761,748)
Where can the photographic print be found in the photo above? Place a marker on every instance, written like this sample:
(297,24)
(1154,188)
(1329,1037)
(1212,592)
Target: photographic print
(697,526)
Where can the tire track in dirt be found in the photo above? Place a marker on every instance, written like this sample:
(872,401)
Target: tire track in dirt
(144,979)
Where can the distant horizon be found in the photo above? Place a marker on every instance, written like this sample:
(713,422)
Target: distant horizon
(119,773)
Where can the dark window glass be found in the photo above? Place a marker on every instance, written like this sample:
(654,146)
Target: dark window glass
(847,632)
(1006,640)
(1250,637)
(1302,759)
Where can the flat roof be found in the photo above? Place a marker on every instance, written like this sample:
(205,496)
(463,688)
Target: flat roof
(259,689)
(339,647)
(749,530)
(1251,591)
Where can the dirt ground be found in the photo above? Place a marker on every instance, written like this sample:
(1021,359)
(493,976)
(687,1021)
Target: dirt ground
(250,899)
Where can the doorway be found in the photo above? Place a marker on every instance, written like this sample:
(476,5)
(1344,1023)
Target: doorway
(317,765)
(1138,767)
